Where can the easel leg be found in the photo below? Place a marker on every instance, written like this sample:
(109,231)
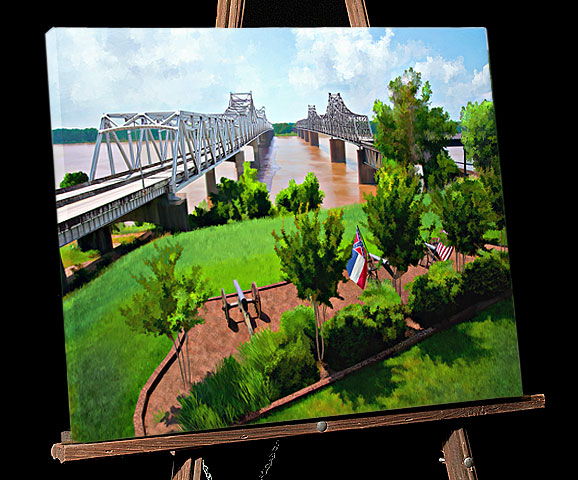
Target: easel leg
(189,471)
(458,457)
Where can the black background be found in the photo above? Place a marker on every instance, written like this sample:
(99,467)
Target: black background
(527,86)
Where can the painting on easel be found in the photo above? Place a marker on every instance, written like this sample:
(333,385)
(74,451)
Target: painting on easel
(276,224)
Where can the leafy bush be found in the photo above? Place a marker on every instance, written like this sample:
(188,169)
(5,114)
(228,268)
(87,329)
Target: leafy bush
(487,276)
(300,197)
(292,367)
(357,332)
(75,178)
(433,296)
(442,292)
(234,200)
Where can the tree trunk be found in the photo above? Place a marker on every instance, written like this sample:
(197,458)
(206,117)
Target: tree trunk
(316,312)
(178,352)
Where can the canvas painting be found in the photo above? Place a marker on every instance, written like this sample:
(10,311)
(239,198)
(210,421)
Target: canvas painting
(277,224)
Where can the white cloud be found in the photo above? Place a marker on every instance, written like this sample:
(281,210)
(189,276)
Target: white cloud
(438,68)
(349,61)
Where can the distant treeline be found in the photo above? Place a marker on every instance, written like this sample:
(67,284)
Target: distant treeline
(283,128)
(88,135)
(74,135)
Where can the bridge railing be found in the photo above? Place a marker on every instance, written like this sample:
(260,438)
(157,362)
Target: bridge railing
(338,121)
(186,142)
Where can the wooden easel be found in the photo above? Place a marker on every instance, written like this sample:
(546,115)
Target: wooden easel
(457,454)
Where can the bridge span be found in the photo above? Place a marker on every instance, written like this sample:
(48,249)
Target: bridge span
(342,125)
(161,153)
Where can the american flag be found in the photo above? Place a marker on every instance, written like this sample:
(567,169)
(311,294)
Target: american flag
(357,265)
(443,251)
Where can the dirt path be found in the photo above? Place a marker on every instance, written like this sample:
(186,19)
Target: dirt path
(214,340)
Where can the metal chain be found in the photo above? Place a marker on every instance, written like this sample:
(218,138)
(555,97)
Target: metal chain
(206,470)
(263,472)
(270,462)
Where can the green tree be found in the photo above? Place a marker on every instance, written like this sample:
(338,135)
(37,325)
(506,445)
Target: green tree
(239,200)
(394,218)
(167,303)
(480,140)
(314,261)
(74,178)
(466,214)
(479,135)
(305,196)
(411,132)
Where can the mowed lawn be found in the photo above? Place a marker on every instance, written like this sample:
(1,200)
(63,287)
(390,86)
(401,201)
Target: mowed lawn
(474,360)
(107,363)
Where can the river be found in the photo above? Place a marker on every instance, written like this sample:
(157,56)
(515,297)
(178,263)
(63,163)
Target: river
(287,158)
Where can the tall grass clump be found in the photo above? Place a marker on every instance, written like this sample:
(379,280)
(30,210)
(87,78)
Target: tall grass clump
(267,367)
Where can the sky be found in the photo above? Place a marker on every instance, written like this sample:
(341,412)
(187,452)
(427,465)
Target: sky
(92,71)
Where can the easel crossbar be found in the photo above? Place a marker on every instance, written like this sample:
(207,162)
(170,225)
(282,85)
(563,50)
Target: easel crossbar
(66,452)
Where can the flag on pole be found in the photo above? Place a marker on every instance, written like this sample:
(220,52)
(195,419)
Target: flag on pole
(443,251)
(357,265)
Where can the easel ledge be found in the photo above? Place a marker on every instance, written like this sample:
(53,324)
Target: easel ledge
(66,452)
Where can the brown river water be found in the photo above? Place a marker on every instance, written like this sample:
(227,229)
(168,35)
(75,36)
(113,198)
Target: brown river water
(287,158)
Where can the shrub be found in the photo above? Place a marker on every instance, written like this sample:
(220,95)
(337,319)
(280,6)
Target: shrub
(74,178)
(487,276)
(442,292)
(357,332)
(293,367)
(433,296)
(234,200)
(300,197)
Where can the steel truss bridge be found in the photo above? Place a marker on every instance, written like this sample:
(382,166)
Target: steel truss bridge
(341,123)
(161,153)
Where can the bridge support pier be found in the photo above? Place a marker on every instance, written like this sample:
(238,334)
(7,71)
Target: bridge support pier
(100,240)
(306,135)
(314,139)
(239,160)
(167,211)
(337,150)
(211,182)
(365,173)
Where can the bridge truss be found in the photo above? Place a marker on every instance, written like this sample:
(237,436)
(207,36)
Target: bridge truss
(187,143)
(338,121)
(139,157)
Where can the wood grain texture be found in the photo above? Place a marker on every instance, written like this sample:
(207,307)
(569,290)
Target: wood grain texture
(185,472)
(357,13)
(456,450)
(66,452)
(230,13)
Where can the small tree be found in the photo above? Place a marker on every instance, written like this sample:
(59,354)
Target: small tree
(167,304)
(466,216)
(394,218)
(314,262)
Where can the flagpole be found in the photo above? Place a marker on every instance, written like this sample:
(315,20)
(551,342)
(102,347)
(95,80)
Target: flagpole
(369,258)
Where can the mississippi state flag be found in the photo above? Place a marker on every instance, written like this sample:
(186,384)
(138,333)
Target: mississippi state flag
(357,265)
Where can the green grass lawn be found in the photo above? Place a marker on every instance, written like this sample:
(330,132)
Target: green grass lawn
(107,363)
(472,361)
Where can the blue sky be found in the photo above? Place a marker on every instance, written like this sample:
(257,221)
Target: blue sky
(93,71)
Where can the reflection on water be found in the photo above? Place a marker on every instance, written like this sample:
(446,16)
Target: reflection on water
(287,158)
